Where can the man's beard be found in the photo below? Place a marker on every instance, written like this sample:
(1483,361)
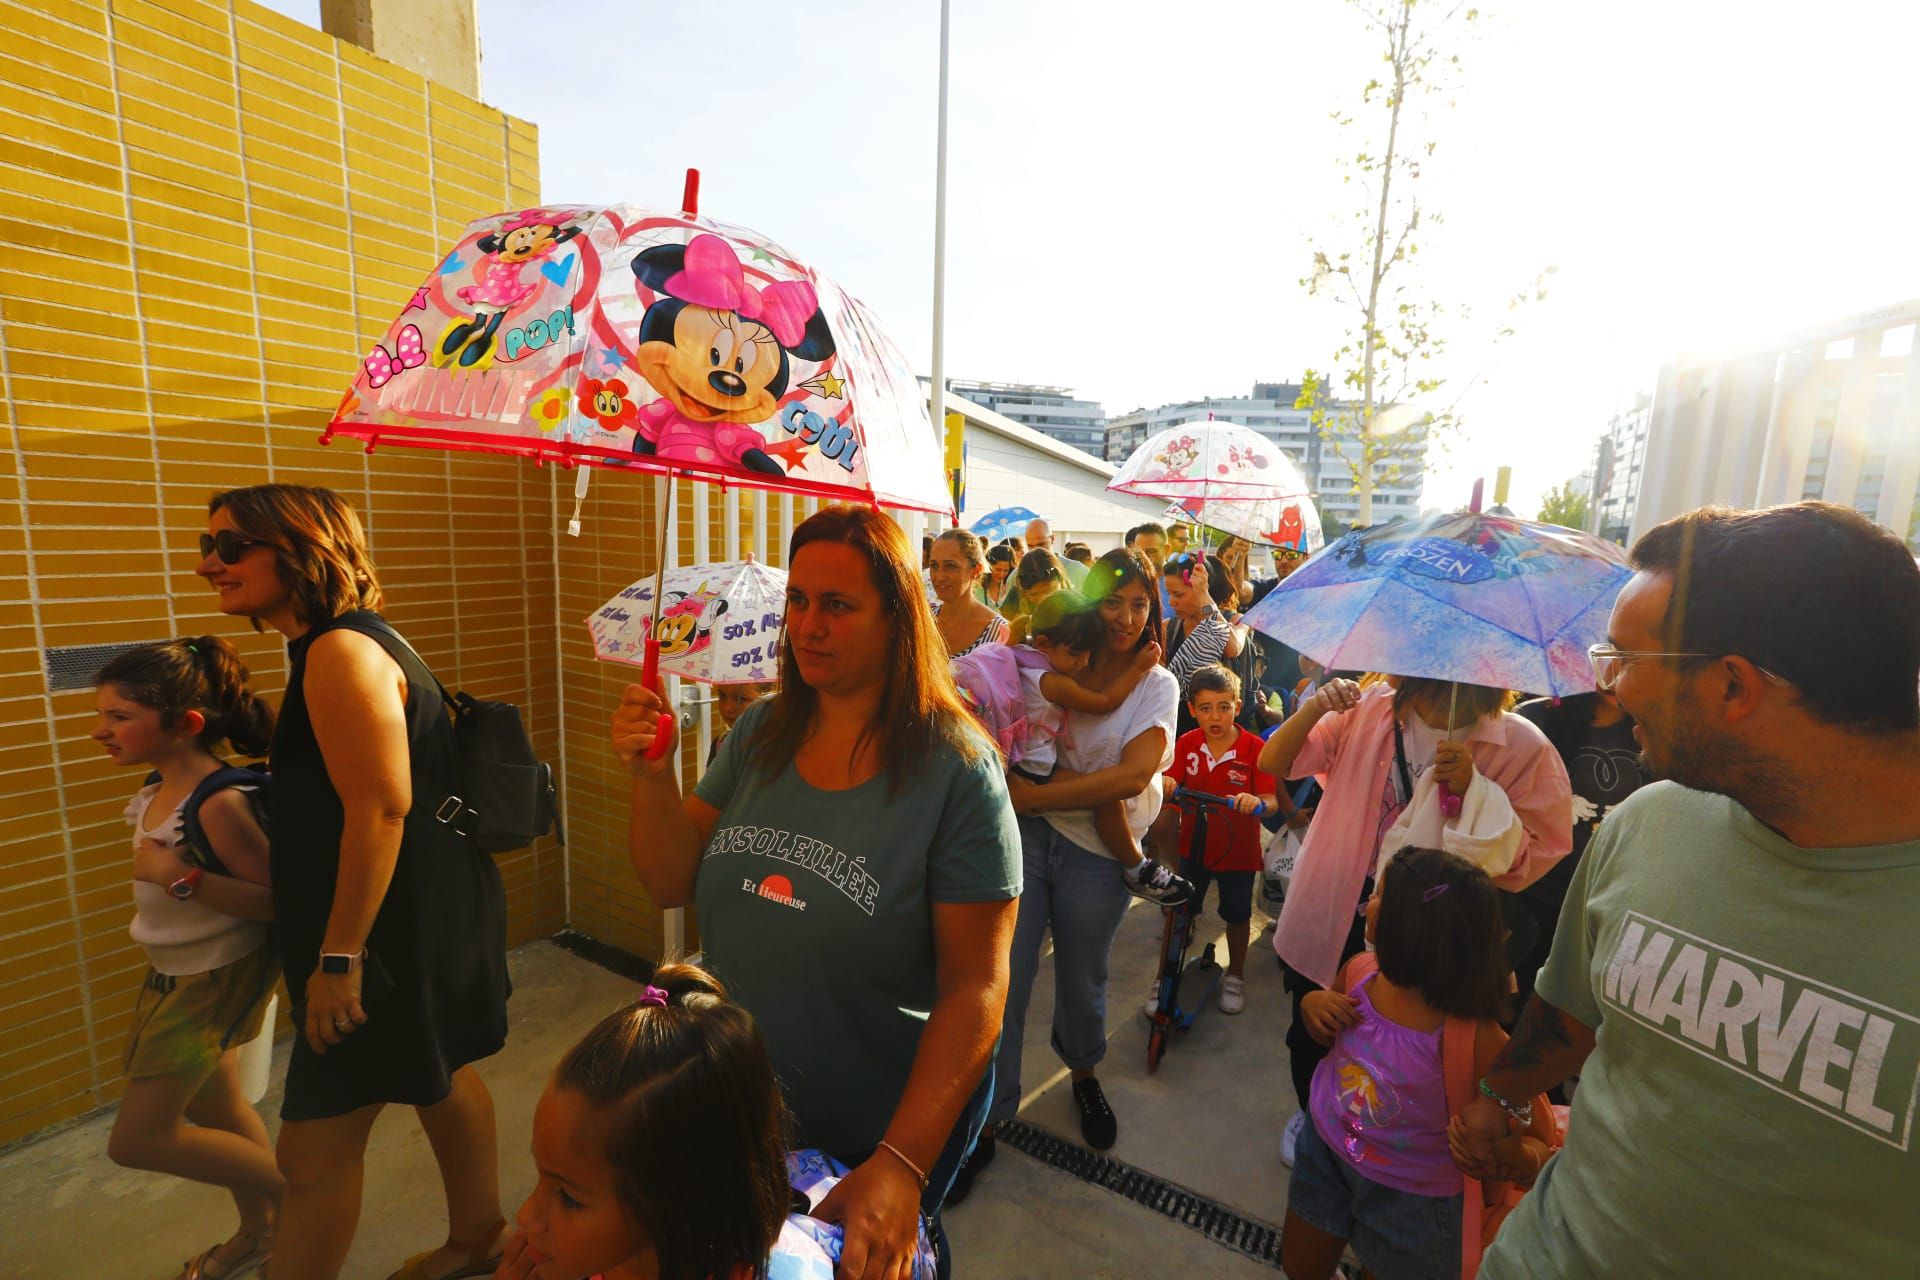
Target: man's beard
(1697,757)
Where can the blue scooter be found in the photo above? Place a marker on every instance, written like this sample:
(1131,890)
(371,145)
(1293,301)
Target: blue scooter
(1186,987)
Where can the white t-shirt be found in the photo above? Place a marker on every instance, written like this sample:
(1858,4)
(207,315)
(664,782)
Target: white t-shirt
(1089,743)
(1039,753)
(182,938)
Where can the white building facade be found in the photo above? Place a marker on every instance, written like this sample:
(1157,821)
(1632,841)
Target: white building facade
(1612,479)
(1054,412)
(1830,413)
(1329,466)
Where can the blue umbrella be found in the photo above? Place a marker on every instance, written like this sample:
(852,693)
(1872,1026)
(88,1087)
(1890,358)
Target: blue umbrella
(1004,522)
(1473,598)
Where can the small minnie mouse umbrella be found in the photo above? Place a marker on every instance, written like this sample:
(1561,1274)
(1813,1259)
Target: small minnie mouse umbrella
(718,623)
(1210,461)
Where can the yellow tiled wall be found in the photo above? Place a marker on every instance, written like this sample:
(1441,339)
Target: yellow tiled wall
(207,211)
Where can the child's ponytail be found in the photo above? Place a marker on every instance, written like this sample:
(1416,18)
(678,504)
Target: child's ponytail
(199,673)
(694,1123)
(1440,933)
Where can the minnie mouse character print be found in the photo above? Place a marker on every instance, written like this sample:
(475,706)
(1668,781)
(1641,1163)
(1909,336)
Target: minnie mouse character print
(498,288)
(717,350)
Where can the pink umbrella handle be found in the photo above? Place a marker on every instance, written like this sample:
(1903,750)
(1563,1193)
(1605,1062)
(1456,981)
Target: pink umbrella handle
(650,677)
(1449,802)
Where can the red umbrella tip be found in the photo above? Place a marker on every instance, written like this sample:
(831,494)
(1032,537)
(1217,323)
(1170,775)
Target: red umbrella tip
(690,198)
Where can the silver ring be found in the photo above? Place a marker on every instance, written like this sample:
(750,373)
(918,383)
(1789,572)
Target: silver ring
(342,1024)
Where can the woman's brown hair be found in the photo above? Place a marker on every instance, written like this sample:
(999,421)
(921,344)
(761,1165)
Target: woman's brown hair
(920,708)
(1477,700)
(318,541)
(199,673)
(972,550)
(693,1122)
(1037,566)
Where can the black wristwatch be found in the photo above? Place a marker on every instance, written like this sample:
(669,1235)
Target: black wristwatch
(340,961)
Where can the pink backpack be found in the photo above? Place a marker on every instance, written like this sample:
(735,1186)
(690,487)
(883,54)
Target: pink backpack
(989,679)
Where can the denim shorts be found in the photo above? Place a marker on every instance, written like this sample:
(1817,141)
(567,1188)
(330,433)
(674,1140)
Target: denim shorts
(1236,890)
(1396,1234)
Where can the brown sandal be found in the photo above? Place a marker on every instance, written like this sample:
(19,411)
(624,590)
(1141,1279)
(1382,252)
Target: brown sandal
(202,1267)
(482,1259)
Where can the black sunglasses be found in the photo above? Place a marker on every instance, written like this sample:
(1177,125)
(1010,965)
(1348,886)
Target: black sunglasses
(229,545)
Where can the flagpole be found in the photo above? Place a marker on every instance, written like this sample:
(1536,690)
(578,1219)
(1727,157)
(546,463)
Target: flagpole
(937,402)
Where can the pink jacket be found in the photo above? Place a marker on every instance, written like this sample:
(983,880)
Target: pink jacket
(1352,754)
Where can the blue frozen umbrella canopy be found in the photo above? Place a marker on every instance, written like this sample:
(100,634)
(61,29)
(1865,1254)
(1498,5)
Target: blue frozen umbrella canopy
(1004,522)
(1478,599)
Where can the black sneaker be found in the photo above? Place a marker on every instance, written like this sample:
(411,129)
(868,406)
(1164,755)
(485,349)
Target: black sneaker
(979,1158)
(1157,884)
(1097,1124)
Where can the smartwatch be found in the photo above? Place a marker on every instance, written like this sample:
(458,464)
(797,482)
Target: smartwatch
(183,888)
(340,961)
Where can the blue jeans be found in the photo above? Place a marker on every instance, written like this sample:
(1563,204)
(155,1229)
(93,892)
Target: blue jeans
(1080,896)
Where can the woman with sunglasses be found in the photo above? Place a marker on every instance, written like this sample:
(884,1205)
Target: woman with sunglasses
(391,925)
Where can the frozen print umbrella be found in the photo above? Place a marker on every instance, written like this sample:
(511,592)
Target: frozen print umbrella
(1292,523)
(718,623)
(634,338)
(1210,461)
(1465,597)
(1004,522)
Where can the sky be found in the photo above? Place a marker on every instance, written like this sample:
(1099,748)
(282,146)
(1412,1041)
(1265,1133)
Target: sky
(1135,188)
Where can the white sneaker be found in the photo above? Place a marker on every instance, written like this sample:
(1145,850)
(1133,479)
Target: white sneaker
(1233,995)
(1290,1140)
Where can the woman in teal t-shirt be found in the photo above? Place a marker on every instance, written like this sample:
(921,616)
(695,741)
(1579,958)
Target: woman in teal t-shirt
(855,862)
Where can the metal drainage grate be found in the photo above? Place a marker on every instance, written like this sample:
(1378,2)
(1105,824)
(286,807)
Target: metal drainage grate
(1257,1240)
(72,667)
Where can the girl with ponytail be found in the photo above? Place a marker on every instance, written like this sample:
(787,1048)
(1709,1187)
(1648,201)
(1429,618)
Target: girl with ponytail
(661,1147)
(166,708)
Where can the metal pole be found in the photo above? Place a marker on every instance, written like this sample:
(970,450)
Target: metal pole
(937,403)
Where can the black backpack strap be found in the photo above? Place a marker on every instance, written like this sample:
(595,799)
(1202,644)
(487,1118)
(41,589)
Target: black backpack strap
(200,851)
(453,810)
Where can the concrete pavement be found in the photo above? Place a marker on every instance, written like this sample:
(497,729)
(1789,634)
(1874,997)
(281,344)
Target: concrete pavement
(1210,1120)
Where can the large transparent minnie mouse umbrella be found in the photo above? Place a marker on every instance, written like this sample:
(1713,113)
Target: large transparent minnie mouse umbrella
(634,338)
(1211,461)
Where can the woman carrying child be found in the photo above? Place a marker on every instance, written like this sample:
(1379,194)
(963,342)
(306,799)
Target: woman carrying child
(210,970)
(1072,890)
(1371,750)
(855,864)
(1407,1030)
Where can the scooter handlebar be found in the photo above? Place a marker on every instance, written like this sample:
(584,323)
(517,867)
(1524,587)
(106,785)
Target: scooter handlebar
(1186,795)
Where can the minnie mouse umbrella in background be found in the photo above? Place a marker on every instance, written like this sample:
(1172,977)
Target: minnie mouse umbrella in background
(628,337)
(1212,461)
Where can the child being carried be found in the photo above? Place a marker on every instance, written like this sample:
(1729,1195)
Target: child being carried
(1022,694)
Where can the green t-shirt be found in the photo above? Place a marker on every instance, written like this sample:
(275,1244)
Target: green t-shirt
(1748,1108)
(816,911)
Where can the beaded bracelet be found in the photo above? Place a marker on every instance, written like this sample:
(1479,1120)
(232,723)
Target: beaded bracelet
(1524,1114)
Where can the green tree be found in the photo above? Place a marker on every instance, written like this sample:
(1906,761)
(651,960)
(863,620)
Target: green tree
(1378,403)
(1564,505)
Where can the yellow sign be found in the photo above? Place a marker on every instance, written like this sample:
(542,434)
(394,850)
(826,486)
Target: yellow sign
(957,459)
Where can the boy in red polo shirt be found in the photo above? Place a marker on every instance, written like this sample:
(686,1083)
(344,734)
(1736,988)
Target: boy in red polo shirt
(1220,758)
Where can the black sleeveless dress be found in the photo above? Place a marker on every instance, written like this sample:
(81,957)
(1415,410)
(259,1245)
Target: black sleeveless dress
(435,986)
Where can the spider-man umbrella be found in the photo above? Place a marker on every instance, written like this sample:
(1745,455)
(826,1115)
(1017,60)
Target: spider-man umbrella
(1210,461)
(650,341)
